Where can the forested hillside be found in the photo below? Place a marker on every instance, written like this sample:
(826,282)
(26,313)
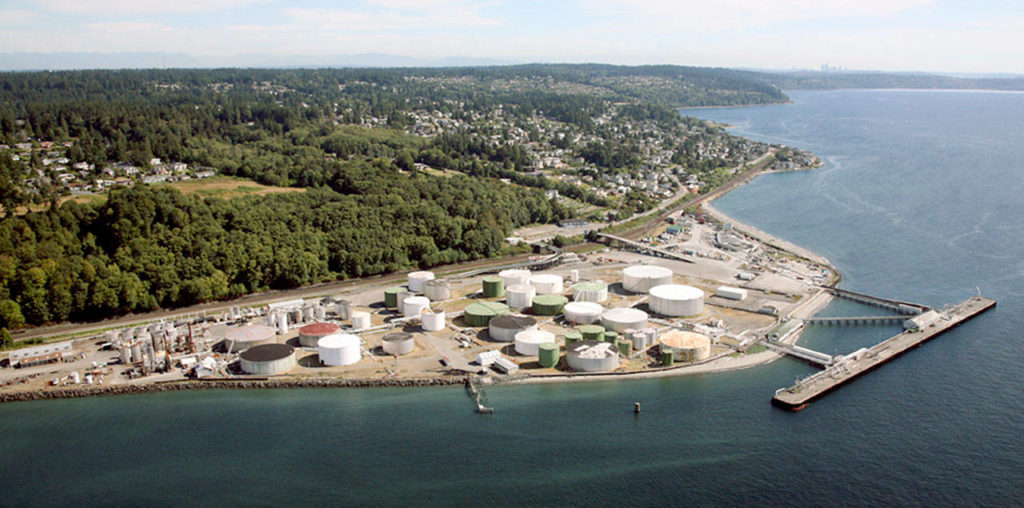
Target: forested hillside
(369,145)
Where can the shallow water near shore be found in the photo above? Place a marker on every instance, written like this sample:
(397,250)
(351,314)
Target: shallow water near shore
(919,200)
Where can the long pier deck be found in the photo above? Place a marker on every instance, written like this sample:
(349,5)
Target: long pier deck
(855,364)
(648,248)
(856,321)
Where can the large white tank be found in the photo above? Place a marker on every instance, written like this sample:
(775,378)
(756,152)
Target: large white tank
(592,356)
(520,296)
(398,343)
(360,320)
(416,280)
(547,283)
(641,278)
(676,300)
(268,359)
(514,277)
(527,341)
(414,305)
(339,349)
(245,337)
(582,313)
(623,318)
(432,321)
(504,328)
(685,346)
(437,290)
(401,300)
(590,292)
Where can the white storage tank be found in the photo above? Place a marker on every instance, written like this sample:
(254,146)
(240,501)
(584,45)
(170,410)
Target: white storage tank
(676,300)
(514,277)
(268,359)
(415,305)
(623,318)
(340,349)
(582,313)
(547,283)
(437,290)
(641,278)
(360,320)
(432,321)
(592,356)
(417,279)
(527,341)
(343,309)
(398,343)
(731,292)
(401,300)
(520,296)
(685,346)
(590,292)
(504,328)
(245,337)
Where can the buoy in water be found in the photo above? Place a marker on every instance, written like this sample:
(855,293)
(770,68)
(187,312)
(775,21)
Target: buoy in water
(636,408)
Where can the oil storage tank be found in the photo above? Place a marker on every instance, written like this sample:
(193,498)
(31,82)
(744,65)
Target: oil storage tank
(549,305)
(676,300)
(547,283)
(398,343)
(310,334)
(520,296)
(504,328)
(245,337)
(493,287)
(414,305)
(527,341)
(590,292)
(515,277)
(624,318)
(592,356)
(583,313)
(360,319)
(547,354)
(432,321)
(340,349)
(437,290)
(641,278)
(685,346)
(481,313)
(417,279)
(268,359)
(391,296)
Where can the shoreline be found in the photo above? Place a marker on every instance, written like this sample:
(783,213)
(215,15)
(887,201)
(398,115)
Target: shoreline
(719,364)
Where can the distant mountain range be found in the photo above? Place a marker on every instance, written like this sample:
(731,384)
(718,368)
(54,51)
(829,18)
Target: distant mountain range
(72,61)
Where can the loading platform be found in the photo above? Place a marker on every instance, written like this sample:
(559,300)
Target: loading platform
(849,367)
(646,248)
(856,321)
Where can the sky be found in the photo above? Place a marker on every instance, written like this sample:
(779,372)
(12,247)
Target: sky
(980,36)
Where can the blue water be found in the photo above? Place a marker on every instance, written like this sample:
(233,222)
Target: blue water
(919,200)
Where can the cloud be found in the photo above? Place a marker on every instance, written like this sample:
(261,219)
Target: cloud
(730,15)
(390,20)
(133,7)
(16,16)
(125,27)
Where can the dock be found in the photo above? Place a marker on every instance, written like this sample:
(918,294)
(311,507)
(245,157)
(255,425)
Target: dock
(849,367)
(856,321)
(641,247)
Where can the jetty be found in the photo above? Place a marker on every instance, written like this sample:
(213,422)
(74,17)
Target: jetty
(848,367)
(642,247)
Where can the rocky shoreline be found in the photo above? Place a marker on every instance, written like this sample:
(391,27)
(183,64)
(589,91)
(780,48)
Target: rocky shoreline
(222,384)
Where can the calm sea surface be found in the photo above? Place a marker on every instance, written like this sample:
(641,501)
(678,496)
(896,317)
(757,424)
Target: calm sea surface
(921,199)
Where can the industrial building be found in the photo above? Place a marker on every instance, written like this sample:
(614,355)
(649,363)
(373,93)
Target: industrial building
(39,355)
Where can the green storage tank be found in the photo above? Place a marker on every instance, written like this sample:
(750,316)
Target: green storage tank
(547,354)
(480,313)
(549,305)
(625,346)
(667,358)
(494,287)
(592,332)
(611,336)
(391,296)
(572,337)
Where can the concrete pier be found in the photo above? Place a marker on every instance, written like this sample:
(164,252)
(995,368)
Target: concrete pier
(859,362)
